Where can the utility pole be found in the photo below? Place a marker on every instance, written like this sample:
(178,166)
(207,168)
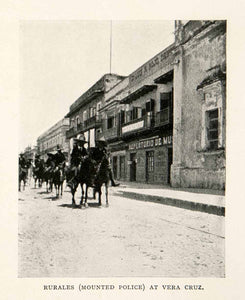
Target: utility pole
(110,44)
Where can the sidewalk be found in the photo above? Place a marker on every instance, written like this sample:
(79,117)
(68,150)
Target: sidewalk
(204,200)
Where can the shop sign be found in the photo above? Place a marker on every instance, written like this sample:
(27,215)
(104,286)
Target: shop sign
(156,63)
(133,126)
(150,143)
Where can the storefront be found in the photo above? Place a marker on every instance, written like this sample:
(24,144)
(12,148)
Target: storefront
(149,160)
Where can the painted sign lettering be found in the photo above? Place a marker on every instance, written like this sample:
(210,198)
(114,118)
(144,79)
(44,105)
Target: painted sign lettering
(150,143)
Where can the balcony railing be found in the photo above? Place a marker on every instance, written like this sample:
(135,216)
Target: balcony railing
(145,123)
(112,133)
(70,133)
(163,117)
(92,122)
(140,124)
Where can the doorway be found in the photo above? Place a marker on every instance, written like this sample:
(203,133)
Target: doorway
(114,165)
(170,161)
(150,166)
(133,167)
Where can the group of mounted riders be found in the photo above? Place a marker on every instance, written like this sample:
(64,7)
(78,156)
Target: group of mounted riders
(89,166)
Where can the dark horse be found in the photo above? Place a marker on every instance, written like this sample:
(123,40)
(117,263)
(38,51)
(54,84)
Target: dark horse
(48,178)
(91,174)
(58,179)
(99,177)
(38,174)
(22,176)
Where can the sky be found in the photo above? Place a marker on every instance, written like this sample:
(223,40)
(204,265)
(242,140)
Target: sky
(60,60)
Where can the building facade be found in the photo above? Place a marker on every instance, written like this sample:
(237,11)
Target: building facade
(165,123)
(84,112)
(142,119)
(199,105)
(30,152)
(54,136)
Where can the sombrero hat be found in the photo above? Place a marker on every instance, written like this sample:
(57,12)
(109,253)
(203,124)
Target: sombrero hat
(80,140)
(101,141)
(59,148)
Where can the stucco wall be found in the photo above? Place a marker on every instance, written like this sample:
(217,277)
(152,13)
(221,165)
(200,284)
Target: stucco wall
(197,168)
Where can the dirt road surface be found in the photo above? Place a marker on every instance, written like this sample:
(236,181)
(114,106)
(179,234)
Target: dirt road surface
(129,238)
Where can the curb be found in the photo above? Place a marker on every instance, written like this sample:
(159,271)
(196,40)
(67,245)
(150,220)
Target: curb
(197,206)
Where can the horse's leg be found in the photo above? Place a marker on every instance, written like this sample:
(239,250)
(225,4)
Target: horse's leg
(106,193)
(86,196)
(99,195)
(73,191)
(82,194)
(73,197)
(19,185)
(61,188)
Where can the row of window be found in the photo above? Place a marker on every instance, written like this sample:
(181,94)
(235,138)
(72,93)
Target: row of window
(166,100)
(86,114)
(52,142)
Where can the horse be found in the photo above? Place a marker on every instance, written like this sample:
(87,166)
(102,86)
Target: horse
(38,174)
(100,177)
(48,178)
(58,179)
(92,174)
(22,177)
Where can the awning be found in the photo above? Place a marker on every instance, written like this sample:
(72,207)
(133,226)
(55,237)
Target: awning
(138,93)
(165,78)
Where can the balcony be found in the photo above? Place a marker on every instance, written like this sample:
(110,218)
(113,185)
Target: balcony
(70,133)
(74,130)
(92,122)
(163,117)
(138,125)
(112,133)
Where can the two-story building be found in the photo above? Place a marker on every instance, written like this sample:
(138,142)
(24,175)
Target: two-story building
(165,122)
(138,121)
(84,112)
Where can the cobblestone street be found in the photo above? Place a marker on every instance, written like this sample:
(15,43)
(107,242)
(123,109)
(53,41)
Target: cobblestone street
(129,238)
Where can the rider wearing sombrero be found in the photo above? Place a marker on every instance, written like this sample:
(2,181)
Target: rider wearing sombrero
(99,153)
(59,158)
(50,164)
(79,152)
(22,161)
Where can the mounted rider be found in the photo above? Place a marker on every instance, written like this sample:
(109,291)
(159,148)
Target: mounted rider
(78,154)
(37,161)
(23,162)
(50,164)
(59,158)
(99,153)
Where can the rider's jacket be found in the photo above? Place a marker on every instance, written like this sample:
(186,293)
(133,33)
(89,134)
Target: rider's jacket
(77,155)
(59,158)
(49,162)
(22,162)
(37,162)
(99,153)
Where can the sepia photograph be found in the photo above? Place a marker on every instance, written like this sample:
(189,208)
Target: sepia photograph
(122,148)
